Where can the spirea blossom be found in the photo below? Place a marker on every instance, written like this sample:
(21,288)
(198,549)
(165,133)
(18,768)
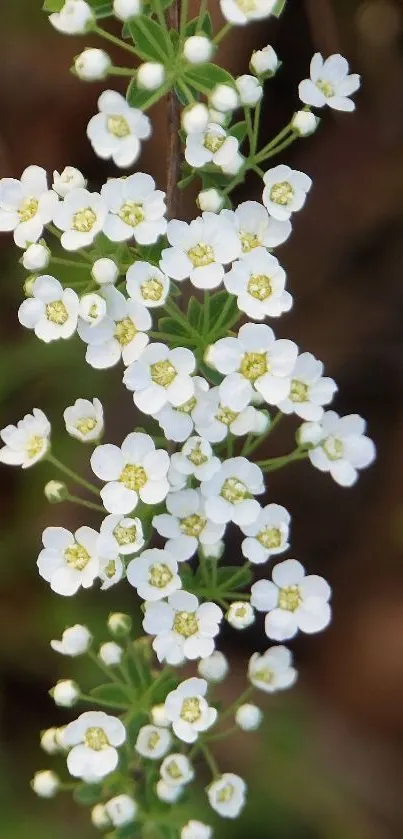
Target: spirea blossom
(339,446)
(161,376)
(135,470)
(229,493)
(184,628)
(329,84)
(136,209)
(85,420)
(81,216)
(27,442)
(227,795)
(285,191)
(51,311)
(75,641)
(116,131)
(69,560)
(93,738)
(239,12)
(200,250)
(26,206)
(154,574)
(273,670)
(189,711)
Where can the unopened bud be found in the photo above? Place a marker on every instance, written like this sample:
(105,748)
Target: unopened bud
(56,492)
(119,625)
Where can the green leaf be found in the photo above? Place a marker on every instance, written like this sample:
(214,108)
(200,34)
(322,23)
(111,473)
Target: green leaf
(182,184)
(143,99)
(278,8)
(102,8)
(162,688)
(195,313)
(243,577)
(114,694)
(88,794)
(172,327)
(149,38)
(205,77)
(211,375)
(205,27)
(217,303)
(152,253)
(239,130)
(53,5)
(127,832)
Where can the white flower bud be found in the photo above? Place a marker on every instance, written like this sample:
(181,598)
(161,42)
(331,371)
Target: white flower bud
(210,200)
(195,118)
(92,64)
(197,49)
(59,737)
(261,423)
(248,717)
(265,62)
(224,98)
(150,75)
(249,89)
(65,693)
(49,743)
(74,18)
(121,810)
(99,817)
(233,166)
(92,309)
(240,615)
(110,654)
(213,551)
(218,117)
(214,668)
(36,257)
(119,624)
(75,641)
(55,492)
(45,784)
(159,717)
(167,793)
(68,180)
(105,271)
(196,830)
(125,9)
(305,123)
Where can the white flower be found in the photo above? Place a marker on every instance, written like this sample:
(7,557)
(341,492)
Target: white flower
(195,118)
(254,361)
(92,64)
(161,376)
(154,574)
(150,75)
(186,524)
(147,285)
(70,179)
(240,615)
(285,191)
(177,422)
(214,668)
(153,742)
(213,145)
(249,89)
(264,62)
(255,228)
(115,132)
(81,216)
(121,810)
(304,123)
(159,717)
(49,743)
(268,535)
(92,308)
(310,390)
(258,281)
(292,601)
(111,567)
(105,271)
(176,770)
(196,830)
(36,257)
(224,98)
(45,783)
(93,737)
(136,209)
(99,817)
(248,717)
(75,641)
(210,200)
(26,206)
(125,9)
(65,693)
(134,470)
(184,629)
(229,493)
(273,670)
(214,420)
(168,793)
(197,49)
(51,311)
(227,795)
(189,711)
(85,420)
(75,18)
(69,561)
(196,458)
(330,84)
(239,12)
(120,335)
(200,250)
(111,654)
(121,534)
(27,442)
(340,446)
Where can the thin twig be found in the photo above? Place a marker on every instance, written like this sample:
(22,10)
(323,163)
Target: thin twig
(173,151)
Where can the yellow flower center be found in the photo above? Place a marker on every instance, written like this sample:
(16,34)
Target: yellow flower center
(86,425)
(133,476)
(152,289)
(269,537)
(299,391)
(110,569)
(57,313)
(34,445)
(213,143)
(240,611)
(234,491)
(28,209)
(259,286)
(201,255)
(326,88)
(118,126)
(193,525)
(125,535)
(163,373)
(186,624)
(225,793)
(84,220)
(191,710)
(153,740)
(125,331)
(289,598)
(226,416)
(246,5)
(159,575)
(174,771)
(131,213)
(77,557)
(249,241)
(187,407)
(96,739)
(196,456)
(264,675)
(254,365)
(333,447)
(282,193)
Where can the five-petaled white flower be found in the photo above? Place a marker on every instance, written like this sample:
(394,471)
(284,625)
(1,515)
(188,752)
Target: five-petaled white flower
(178,422)
(184,629)
(268,535)
(153,742)
(176,770)
(255,228)
(200,250)
(27,442)
(147,285)
(161,376)
(227,795)
(122,534)
(229,493)
(340,446)
(214,420)
(154,574)
(240,615)
(239,12)
(120,335)
(258,281)
(81,216)
(285,191)
(117,129)
(186,524)
(292,601)
(69,560)
(189,711)
(93,739)
(74,17)
(330,84)
(310,390)
(136,209)
(213,145)
(273,670)
(195,458)
(51,311)
(26,205)
(134,470)
(85,420)
(254,360)
(75,641)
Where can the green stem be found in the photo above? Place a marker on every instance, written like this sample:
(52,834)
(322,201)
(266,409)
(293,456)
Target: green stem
(223,734)
(175,313)
(103,703)
(211,762)
(253,443)
(158,11)
(83,503)
(256,126)
(73,475)
(260,158)
(222,33)
(235,705)
(166,336)
(202,12)
(103,33)
(206,313)
(275,463)
(249,126)
(121,71)
(187,92)
(214,334)
(183,18)
(57,260)
(101,666)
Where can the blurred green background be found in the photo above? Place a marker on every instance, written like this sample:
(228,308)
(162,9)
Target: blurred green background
(329,763)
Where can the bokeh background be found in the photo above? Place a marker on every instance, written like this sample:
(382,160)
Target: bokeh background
(329,762)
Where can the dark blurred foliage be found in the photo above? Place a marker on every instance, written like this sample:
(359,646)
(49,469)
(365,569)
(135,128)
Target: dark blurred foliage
(329,764)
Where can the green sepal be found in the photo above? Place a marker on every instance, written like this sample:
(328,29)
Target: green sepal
(278,8)
(113,694)
(148,38)
(205,77)
(88,794)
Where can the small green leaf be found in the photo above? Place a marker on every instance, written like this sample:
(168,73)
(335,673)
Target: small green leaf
(162,688)
(114,694)
(278,8)
(182,184)
(149,38)
(205,77)
(205,27)
(242,576)
(102,8)
(53,5)
(152,253)
(88,794)
(172,327)
(129,831)
(217,303)
(143,99)
(211,375)
(195,313)
(239,130)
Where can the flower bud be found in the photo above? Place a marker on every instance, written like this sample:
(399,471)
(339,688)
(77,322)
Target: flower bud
(248,717)
(74,18)
(121,810)
(240,615)
(167,793)
(195,118)
(196,830)
(49,743)
(305,123)
(92,64)
(213,551)
(110,654)
(261,422)
(198,49)
(45,784)
(125,9)
(249,89)
(36,257)
(214,668)
(99,817)
(55,492)
(119,625)
(218,117)
(224,98)
(265,62)
(92,309)
(159,717)
(150,75)
(65,693)
(210,200)
(68,180)
(76,640)
(105,271)
(59,738)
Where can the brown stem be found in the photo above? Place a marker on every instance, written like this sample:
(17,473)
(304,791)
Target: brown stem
(173,173)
